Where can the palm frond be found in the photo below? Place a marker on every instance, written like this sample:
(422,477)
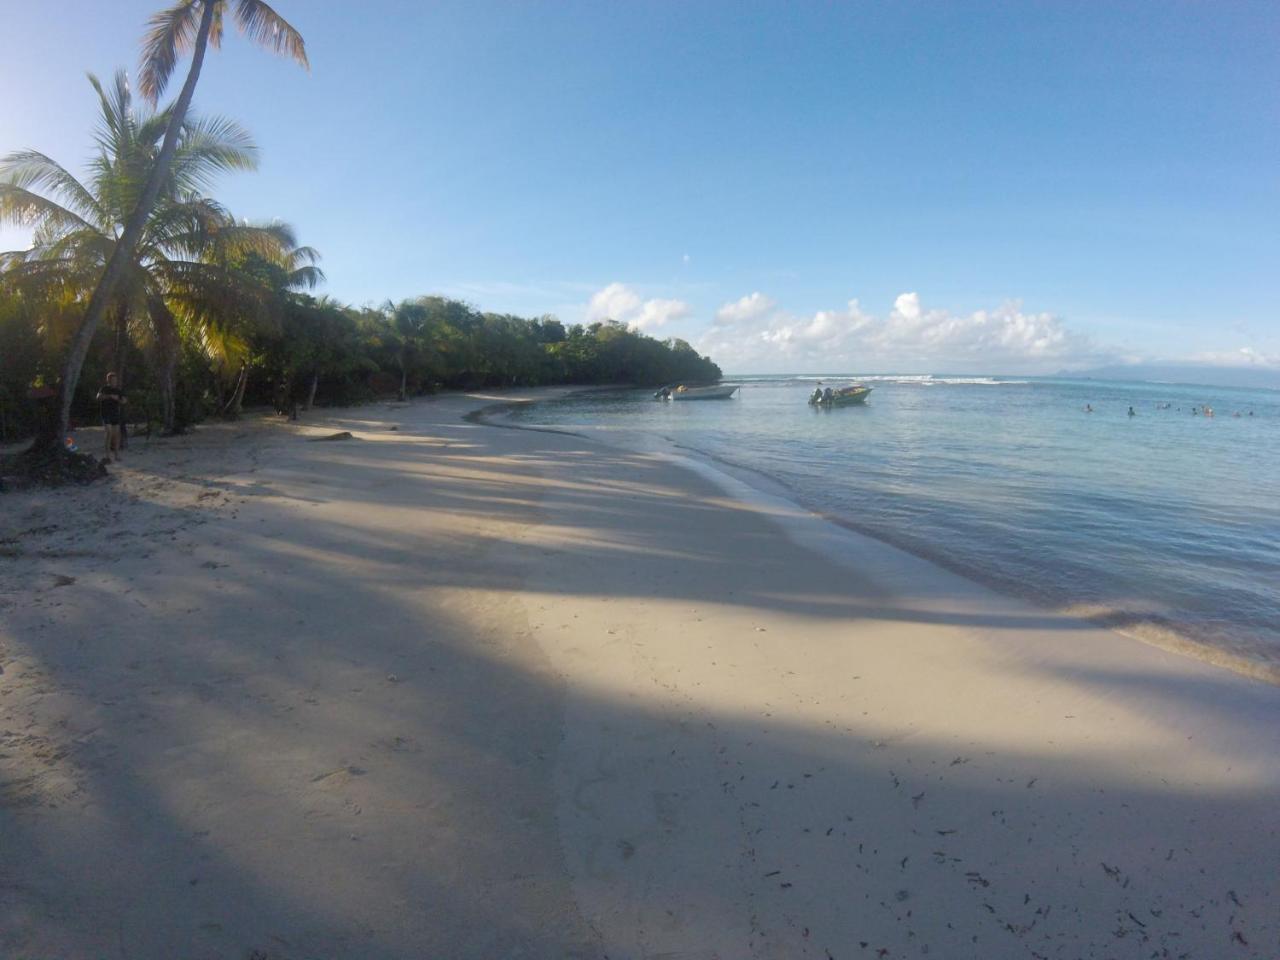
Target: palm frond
(37,279)
(118,131)
(90,249)
(30,168)
(170,33)
(183,228)
(264,26)
(304,255)
(25,208)
(152,127)
(271,242)
(308,277)
(209,146)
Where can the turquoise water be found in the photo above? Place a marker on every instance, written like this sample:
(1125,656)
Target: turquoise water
(1164,521)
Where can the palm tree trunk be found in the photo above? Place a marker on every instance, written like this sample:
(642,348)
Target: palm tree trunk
(122,330)
(169,350)
(51,440)
(168,398)
(311,395)
(237,398)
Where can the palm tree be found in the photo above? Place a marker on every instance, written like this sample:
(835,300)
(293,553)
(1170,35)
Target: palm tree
(187,25)
(407,323)
(183,260)
(271,261)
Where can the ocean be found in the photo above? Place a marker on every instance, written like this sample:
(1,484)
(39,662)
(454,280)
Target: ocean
(1164,524)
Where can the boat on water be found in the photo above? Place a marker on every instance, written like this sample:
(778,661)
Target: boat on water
(844,397)
(684,392)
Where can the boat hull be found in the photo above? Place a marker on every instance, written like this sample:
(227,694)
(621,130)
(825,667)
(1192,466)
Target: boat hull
(847,399)
(704,393)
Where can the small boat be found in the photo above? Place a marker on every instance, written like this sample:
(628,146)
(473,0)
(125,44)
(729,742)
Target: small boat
(845,396)
(683,392)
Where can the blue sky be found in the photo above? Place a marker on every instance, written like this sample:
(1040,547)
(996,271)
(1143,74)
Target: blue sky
(931,186)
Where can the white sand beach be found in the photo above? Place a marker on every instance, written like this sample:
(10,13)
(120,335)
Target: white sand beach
(449,690)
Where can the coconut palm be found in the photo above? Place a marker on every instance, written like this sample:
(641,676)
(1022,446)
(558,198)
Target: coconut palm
(188,25)
(184,258)
(225,330)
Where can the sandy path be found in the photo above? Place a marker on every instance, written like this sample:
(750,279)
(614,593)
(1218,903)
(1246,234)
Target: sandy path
(453,691)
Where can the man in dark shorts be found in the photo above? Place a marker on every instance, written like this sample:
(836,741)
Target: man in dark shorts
(111,401)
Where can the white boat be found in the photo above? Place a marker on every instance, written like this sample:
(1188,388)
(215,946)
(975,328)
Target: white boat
(719,392)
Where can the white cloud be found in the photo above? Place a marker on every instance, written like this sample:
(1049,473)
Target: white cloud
(657,313)
(614,302)
(907,305)
(750,307)
(753,333)
(619,302)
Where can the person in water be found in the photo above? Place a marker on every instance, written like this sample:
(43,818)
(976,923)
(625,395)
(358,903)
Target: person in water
(1088,408)
(1132,413)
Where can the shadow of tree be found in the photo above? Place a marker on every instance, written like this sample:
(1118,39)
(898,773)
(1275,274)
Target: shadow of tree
(316,729)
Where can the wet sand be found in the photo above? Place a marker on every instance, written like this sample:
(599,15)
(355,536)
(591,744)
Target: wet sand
(450,690)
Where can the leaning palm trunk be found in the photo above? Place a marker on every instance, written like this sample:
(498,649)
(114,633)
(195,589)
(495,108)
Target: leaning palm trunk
(122,254)
(311,394)
(232,409)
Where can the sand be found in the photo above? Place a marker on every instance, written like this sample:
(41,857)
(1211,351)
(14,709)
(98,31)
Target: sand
(447,690)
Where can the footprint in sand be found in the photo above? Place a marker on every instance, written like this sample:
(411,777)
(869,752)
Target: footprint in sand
(340,776)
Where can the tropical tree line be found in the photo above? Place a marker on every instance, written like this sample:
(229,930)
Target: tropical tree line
(135,268)
(292,351)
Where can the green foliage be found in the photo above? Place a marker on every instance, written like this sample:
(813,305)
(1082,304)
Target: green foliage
(294,342)
(22,365)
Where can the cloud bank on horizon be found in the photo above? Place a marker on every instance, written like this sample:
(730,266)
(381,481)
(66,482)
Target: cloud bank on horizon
(756,334)
(755,330)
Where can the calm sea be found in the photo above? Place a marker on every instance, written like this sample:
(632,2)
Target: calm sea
(1166,523)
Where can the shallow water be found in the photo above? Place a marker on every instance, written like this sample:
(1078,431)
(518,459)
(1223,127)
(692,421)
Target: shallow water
(1166,523)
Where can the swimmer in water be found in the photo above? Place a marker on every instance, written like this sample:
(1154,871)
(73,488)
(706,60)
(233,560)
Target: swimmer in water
(1088,408)
(1132,413)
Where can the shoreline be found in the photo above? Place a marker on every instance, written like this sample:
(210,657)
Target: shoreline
(446,690)
(1144,627)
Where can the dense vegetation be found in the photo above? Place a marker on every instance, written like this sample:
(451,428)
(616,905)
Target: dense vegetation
(134,268)
(303,350)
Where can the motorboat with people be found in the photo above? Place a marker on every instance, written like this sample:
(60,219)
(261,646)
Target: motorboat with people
(840,397)
(695,392)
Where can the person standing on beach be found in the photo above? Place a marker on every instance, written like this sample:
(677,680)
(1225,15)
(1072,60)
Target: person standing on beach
(111,402)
